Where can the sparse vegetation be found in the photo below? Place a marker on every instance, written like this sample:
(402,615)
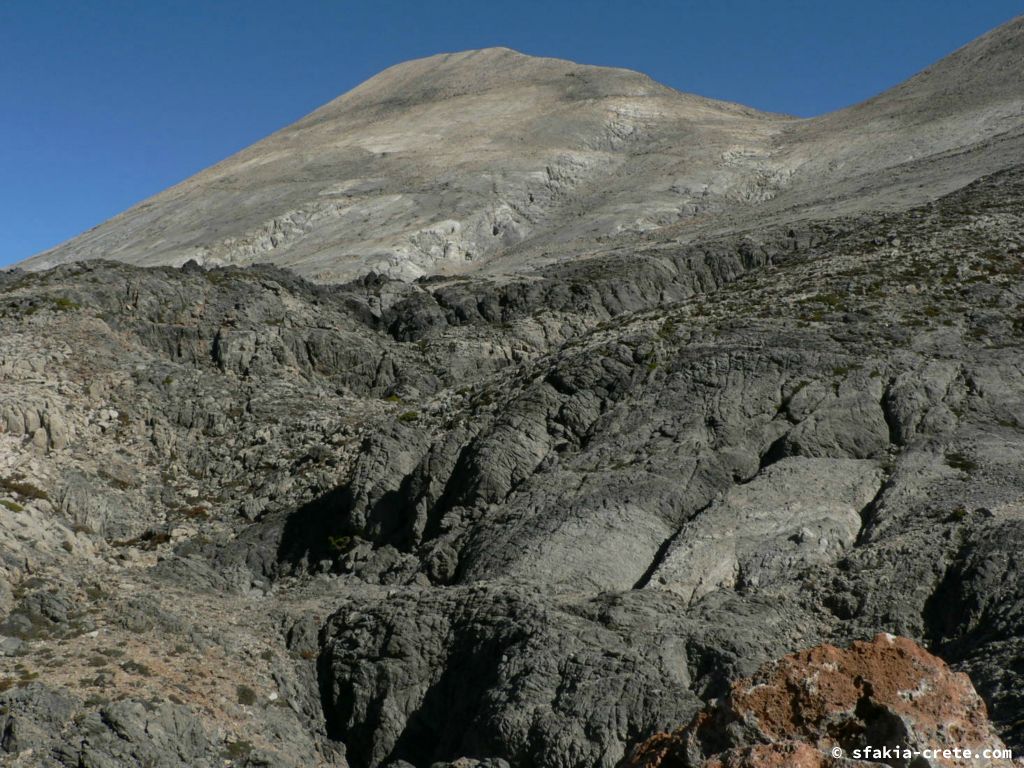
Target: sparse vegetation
(64,304)
(828,300)
(246,696)
(24,489)
(237,750)
(339,544)
(961,462)
(195,512)
(136,668)
(957,514)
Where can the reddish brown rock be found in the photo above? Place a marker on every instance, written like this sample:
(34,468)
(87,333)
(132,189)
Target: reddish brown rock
(787,754)
(887,694)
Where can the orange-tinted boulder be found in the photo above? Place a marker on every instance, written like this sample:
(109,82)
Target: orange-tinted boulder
(887,701)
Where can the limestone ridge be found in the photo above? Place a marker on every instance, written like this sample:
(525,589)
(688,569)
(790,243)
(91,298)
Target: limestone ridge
(498,162)
(536,513)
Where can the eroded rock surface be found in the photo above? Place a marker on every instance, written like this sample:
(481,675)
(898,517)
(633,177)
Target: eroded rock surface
(886,694)
(532,523)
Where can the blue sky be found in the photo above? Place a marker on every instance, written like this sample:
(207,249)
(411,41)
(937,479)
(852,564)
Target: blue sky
(106,102)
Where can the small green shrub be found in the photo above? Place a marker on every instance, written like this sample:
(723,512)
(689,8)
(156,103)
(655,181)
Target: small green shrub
(668,329)
(237,750)
(961,462)
(64,304)
(339,544)
(831,300)
(136,668)
(957,514)
(246,695)
(23,489)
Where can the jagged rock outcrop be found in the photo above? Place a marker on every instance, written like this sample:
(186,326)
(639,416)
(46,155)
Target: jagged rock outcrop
(883,702)
(513,506)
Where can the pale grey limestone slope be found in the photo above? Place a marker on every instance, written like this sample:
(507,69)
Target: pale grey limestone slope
(491,160)
(797,512)
(441,164)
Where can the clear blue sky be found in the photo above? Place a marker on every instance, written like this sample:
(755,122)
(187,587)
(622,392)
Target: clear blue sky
(106,102)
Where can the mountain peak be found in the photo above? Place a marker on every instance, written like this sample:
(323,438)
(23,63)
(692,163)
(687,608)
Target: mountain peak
(494,159)
(474,72)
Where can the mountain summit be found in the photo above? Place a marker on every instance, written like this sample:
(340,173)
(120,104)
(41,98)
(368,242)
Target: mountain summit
(447,164)
(493,160)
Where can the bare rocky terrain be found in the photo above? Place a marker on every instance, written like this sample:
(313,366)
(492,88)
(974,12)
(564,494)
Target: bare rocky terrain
(506,412)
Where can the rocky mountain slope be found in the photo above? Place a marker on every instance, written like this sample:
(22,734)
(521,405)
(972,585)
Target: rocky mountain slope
(444,164)
(491,160)
(526,511)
